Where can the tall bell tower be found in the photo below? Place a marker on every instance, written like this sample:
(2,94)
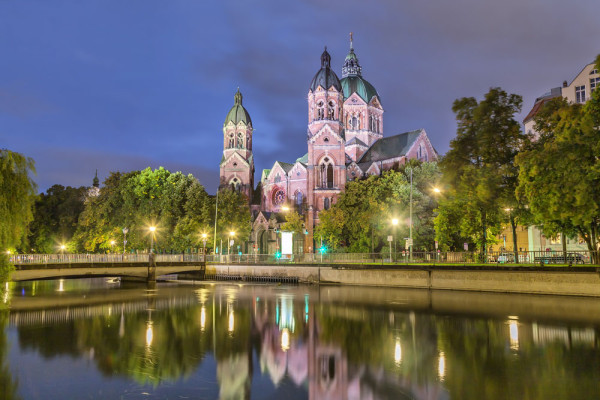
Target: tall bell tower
(326,143)
(237,164)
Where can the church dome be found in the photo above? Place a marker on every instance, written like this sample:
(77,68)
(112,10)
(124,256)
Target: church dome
(325,77)
(352,80)
(238,113)
(359,85)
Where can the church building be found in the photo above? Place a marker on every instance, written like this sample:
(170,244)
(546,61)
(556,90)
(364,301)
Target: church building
(345,141)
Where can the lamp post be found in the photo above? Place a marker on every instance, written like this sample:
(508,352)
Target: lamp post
(125,231)
(112,245)
(152,229)
(204,235)
(394,224)
(410,249)
(231,235)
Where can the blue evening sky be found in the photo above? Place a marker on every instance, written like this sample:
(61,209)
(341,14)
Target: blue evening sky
(122,85)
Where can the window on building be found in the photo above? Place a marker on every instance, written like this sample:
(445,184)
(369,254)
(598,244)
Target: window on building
(580,94)
(326,174)
(277,178)
(240,140)
(594,84)
(354,123)
(231,141)
(593,72)
(299,200)
(326,203)
(320,110)
(331,111)
(278,197)
(235,184)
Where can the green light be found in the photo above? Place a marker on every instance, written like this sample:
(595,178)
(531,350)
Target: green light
(278,255)
(323,249)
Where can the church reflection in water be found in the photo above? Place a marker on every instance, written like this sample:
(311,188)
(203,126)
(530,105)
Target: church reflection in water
(321,343)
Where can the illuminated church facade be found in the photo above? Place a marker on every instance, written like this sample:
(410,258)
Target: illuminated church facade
(345,141)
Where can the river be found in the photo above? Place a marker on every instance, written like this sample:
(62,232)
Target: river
(104,339)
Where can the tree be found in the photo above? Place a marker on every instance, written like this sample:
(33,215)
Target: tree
(17,194)
(294,222)
(55,217)
(362,217)
(233,215)
(479,167)
(560,173)
(175,203)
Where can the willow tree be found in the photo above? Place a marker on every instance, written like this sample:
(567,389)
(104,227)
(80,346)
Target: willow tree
(17,195)
(479,167)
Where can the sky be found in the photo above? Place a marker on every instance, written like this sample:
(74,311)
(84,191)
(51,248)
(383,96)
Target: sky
(124,85)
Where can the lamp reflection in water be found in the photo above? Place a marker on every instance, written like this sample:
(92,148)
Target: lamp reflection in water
(202,318)
(513,330)
(149,334)
(231,321)
(442,366)
(398,352)
(285,339)
(61,283)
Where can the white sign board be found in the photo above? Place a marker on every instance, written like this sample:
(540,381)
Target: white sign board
(286,242)
(390,238)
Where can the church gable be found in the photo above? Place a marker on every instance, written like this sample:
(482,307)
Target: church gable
(325,136)
(421,149)
(375,103)
(297,171)
(373,170)
(234,161)
(354,100)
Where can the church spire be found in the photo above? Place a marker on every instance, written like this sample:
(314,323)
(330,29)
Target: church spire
(238,97)
(351,66)
(325,59)
(96,181)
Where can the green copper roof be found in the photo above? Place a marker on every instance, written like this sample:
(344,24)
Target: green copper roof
(303,159)
(357,84)
(390,147)
(238,113)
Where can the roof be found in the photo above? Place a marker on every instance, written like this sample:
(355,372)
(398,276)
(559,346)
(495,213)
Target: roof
(390,147)
(358,84)
(287,167)
(540,101)
(303,159)
(238,113)
(265,174)
(356,141)
(325,77)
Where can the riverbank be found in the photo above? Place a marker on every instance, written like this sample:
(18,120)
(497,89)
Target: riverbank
(575,281)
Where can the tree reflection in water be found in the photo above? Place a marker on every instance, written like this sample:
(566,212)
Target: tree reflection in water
(320,349)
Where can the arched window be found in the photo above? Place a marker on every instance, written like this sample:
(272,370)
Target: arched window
(326,203)
(235,184)
(331,111)
(231,141)
(354,122)
(371,123)
(320,110)
(248,144)
(299,200)
(326,173)
(240,140)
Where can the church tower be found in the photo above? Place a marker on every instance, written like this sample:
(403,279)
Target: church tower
(237,164)
(363,114)
(326,143)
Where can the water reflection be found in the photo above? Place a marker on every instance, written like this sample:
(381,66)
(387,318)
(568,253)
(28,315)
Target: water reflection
(305,342)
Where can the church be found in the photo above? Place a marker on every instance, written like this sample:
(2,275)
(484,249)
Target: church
(345,141)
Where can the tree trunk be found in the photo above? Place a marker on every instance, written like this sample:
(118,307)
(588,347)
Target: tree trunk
(563,240)
(484,242)
(514,232)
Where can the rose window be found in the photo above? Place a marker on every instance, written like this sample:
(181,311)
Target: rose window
(278,197)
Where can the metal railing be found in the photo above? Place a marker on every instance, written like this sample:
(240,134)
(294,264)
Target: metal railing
(24,259)
(404,257)
(417,257)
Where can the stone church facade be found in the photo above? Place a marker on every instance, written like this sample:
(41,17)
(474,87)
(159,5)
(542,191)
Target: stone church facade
(345,141)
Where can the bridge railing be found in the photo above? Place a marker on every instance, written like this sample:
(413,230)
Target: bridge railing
(23,259)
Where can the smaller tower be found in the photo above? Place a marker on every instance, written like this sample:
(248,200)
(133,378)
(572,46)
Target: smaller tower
(237,164)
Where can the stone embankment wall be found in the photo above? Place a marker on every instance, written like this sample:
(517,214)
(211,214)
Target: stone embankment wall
(534,281)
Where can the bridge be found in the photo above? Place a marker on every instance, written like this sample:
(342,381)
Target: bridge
(135,266)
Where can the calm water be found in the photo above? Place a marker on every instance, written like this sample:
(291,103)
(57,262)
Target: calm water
(99,339)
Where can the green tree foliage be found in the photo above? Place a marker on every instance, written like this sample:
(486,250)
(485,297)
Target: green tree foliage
(294,222)
(479,169)
(233,216)
(362,218)
(560,173)
(55,217)
(176,204)
(17,194)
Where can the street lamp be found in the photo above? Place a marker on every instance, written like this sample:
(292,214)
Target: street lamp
(394,223)
(112,244)
(152,229)
(204,236)
(125,231)
(231,235)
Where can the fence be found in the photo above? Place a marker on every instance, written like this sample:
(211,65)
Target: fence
(22,259)
(417,257)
